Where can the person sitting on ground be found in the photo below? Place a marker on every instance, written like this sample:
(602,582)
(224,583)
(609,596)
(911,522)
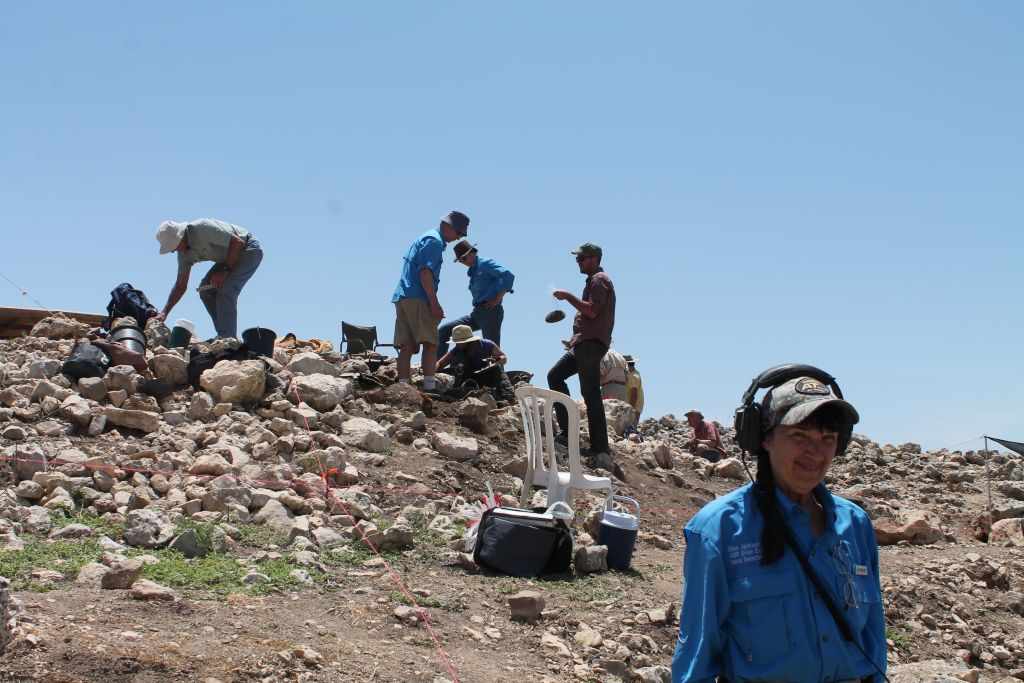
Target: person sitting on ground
(706,441)
(751,611)
(478,360)
(489,282)
(236,255)
(613,376)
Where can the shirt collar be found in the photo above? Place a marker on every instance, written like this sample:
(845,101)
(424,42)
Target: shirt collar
(821,492)
(444,245)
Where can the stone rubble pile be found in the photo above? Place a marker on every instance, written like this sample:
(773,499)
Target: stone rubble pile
(304,445)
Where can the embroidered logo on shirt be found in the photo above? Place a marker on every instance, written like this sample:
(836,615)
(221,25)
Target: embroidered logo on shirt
(744,553)
(812,387)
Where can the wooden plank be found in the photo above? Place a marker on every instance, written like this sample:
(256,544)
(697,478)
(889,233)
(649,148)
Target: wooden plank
(18,322)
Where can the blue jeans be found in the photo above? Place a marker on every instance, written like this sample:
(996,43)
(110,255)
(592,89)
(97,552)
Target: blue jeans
(222,303)
(487,320)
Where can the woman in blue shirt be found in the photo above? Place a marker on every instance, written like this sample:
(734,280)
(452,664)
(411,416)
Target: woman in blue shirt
(750,611)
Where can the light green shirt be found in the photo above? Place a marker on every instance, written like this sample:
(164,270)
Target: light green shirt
(208,240)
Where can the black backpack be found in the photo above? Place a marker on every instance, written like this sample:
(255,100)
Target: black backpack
(86,360)
(126,300)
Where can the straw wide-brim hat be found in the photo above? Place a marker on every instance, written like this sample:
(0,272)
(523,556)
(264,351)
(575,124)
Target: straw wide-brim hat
(463,334)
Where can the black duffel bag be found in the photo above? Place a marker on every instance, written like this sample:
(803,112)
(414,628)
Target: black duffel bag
(523,543)
(86,360)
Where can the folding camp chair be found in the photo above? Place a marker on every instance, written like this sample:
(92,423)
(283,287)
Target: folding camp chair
(359,339)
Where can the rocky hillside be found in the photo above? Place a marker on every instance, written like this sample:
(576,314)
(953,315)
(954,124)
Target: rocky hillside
(302,519)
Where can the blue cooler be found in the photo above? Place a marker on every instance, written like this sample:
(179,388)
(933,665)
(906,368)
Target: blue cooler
(618,532)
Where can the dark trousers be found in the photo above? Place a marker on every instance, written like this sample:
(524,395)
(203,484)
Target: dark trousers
(583,359)
(487,320)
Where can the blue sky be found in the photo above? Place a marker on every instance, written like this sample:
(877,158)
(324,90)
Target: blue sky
(832,183)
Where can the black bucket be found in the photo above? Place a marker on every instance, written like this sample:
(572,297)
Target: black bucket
(132,338)
(260,341)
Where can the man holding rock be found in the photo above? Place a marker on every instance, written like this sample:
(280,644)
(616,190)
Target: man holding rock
(592,335)
(417,310)
(489,282)
(235,253)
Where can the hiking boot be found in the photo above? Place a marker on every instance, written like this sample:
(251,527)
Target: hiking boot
(603,460)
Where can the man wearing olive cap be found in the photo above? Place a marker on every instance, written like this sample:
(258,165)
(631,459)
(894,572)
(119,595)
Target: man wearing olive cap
(592,335)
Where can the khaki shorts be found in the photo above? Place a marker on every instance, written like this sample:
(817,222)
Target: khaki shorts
(413,323)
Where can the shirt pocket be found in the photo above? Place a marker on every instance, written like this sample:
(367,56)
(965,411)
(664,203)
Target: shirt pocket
(761,618)
(866,591)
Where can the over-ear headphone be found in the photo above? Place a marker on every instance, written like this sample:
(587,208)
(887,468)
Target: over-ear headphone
(749,431)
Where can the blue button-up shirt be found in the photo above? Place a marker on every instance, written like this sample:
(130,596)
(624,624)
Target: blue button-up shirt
(488,278)
(748,622)
(426,252)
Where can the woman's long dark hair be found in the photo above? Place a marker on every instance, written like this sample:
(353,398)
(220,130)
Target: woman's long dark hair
(773,536)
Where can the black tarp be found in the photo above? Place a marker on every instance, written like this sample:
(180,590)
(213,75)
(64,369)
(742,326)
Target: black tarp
(1015,446)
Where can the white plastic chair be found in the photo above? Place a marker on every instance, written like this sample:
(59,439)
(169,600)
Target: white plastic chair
(538,408)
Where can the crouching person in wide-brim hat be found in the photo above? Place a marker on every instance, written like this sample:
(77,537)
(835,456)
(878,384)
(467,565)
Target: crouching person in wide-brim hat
(755,558)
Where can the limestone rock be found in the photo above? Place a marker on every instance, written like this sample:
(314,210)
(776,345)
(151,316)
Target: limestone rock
(473,414)
(44,369)
(210,463)
(663,455)
(276,516)
(322,392)
(93,388)
(235,381)
(310,363)
(526,606)
(456,448)
(122,574)
(59,326)
(147,528)
(76,410)
(27,460)
(201,406)
(171,368)
(920,527)
(591,559)
(620,415)
(363,433)
(122,378)
(148,590)
(731,468)
(1009,532)
(142,420)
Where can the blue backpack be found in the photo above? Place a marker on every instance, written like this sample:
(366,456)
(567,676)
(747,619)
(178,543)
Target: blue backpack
(126,300)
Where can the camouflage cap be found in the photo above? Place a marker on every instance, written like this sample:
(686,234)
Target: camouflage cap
(588,249)
(796,400)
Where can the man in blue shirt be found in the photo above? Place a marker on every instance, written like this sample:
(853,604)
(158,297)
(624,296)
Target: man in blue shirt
(417,310)
(489,282)
(750,612)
